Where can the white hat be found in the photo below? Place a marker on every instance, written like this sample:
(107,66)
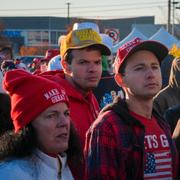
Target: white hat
(86,25)
(108,41)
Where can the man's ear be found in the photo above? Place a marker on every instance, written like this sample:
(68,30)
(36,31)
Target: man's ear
(66,67)
(119,79)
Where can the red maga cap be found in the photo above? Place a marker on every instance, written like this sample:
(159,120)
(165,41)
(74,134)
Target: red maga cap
(138,44)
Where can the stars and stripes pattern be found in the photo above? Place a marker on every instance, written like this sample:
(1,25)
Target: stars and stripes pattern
(158,166)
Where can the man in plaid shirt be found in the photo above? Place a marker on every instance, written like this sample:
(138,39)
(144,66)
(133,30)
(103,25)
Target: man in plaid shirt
(129,140)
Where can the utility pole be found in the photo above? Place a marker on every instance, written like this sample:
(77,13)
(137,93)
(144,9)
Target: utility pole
(173,22)
(68,13)
(169,17)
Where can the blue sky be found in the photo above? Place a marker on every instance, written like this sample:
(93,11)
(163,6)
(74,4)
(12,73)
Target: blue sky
(87,9)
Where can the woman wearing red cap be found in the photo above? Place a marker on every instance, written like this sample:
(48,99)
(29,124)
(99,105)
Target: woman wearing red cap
(43,139)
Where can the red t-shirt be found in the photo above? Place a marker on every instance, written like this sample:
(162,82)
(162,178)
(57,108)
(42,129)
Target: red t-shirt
(157,154)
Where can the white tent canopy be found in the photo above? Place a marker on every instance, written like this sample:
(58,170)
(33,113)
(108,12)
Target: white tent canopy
(165,38)
(133,34)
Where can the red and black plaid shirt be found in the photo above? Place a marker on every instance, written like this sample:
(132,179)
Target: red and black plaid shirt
(114,146)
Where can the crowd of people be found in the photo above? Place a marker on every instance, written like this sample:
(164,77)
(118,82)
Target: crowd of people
(73,116)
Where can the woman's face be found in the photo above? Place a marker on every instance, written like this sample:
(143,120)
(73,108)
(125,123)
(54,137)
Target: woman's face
(53,128)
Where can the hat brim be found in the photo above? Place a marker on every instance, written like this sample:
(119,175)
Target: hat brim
(104,49)
(158,49)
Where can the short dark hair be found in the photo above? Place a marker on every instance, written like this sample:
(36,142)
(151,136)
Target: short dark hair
(69,55)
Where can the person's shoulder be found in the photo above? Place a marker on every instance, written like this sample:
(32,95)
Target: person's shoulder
(16,163)
(55,75)
(9,163)
(15,169)
(106,120)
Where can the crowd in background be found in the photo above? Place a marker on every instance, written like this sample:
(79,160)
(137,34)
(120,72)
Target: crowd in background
(82,112)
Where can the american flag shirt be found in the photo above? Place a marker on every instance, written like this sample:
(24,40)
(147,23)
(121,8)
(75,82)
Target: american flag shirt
(158,160)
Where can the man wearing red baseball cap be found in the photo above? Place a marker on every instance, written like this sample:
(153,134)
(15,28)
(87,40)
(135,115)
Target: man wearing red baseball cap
(129,140)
